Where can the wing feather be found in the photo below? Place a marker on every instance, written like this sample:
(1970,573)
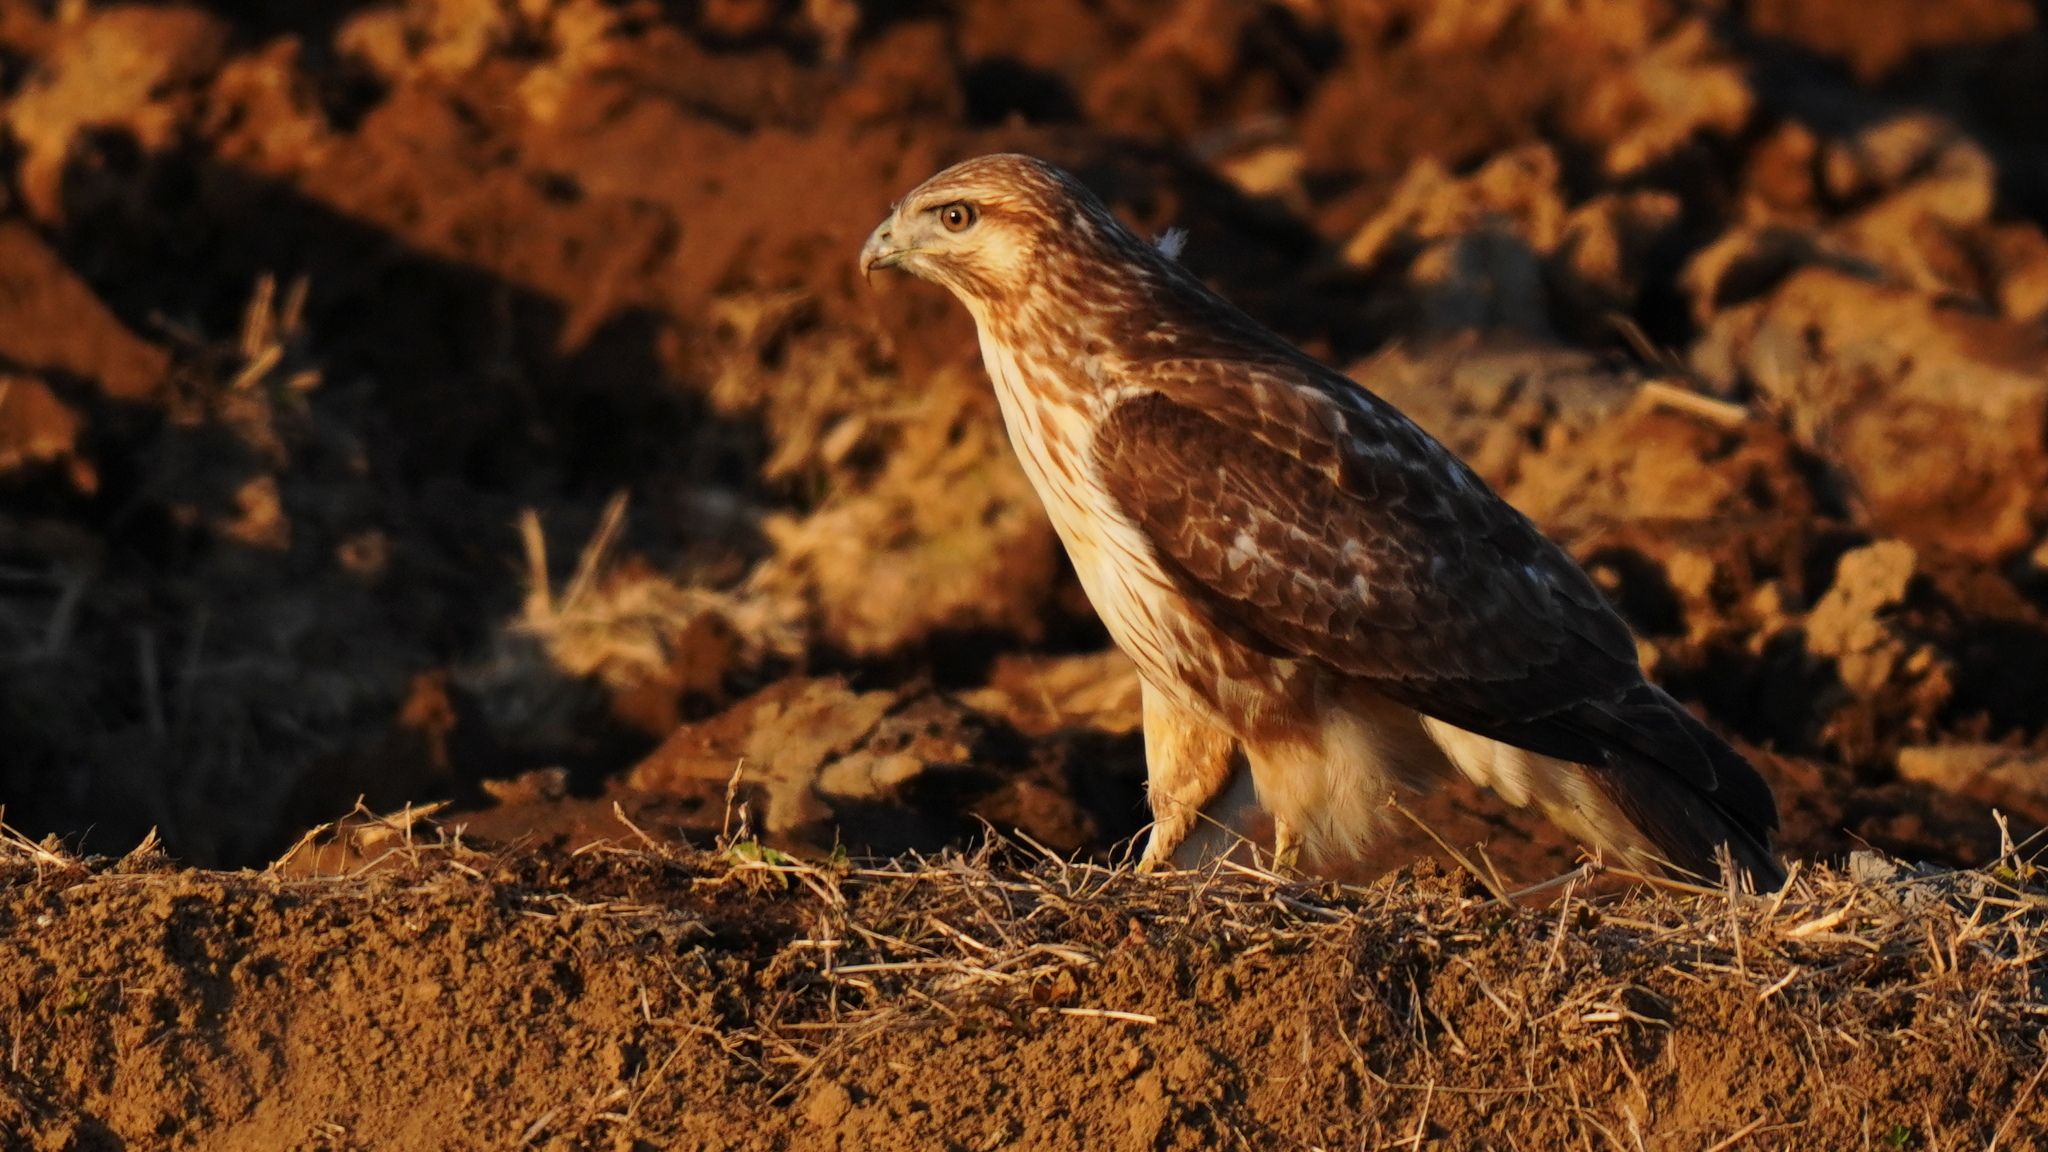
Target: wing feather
(1311,521)
(1316,527)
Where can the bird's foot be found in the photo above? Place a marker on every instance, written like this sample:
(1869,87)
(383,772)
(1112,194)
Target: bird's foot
(1286,847)
(1168,833)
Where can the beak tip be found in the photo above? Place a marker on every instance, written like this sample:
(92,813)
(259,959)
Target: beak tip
(879,251)
(871,260)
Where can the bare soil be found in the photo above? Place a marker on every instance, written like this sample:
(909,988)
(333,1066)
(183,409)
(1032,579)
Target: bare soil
(473,403)
(632,998)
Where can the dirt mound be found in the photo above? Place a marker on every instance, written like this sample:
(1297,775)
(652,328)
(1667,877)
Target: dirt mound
(649,997)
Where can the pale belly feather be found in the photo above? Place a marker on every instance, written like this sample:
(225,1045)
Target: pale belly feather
(1324,758)
(1114,561)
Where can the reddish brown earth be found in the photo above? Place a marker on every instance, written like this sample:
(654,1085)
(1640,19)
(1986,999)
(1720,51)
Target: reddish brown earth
(474,401)
(632,999)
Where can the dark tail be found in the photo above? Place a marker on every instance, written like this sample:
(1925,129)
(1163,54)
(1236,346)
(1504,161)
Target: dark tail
(1655,752)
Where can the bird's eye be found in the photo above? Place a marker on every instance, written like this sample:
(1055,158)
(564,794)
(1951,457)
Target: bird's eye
(958,216)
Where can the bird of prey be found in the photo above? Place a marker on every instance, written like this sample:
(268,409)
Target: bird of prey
(1297,569)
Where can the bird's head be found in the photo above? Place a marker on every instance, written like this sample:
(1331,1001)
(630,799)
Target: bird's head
(982,227)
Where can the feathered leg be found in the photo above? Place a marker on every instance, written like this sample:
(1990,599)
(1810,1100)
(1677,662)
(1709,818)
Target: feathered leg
(1188,765)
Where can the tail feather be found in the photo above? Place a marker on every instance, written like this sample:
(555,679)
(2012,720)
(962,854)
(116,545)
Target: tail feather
(1688,823)
(1643,779)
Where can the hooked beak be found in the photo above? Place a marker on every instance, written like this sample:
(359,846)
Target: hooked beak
(881,250)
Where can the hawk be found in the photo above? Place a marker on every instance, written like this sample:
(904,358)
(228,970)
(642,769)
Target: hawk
(1297,569)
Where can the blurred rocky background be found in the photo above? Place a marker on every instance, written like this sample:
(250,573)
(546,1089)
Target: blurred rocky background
(475,400)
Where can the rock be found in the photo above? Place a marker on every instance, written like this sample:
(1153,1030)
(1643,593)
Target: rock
(1487,280)
(1876,36)
(621,638)
(281,126)
(37,429)
(1871,376)
(1518,190)
(1931,184)
(1740,265)
(1603,256)
(376,39)
(1496,401)
(866,775)
(2017,259)
(51,321)
(1163,86)
(1484,252)
(457,35)
(256,516)
(1267,169)
(947,538)
(896,78)
(1454,82)
(1049,47)
(1920,194)
(1040,695)
(1875,630)
(540,785)
(1468,250)
(1989,772)
(775,743)
(819,762)
(1651,463)
(1849,623)
(1950,174)
(127,66)
(1685,86)
(737,19)
(1780,178)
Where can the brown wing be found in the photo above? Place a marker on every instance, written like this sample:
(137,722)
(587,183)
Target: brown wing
(1312,520)
(1338,531)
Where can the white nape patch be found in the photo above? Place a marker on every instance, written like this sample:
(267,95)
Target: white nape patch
(1171,243)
